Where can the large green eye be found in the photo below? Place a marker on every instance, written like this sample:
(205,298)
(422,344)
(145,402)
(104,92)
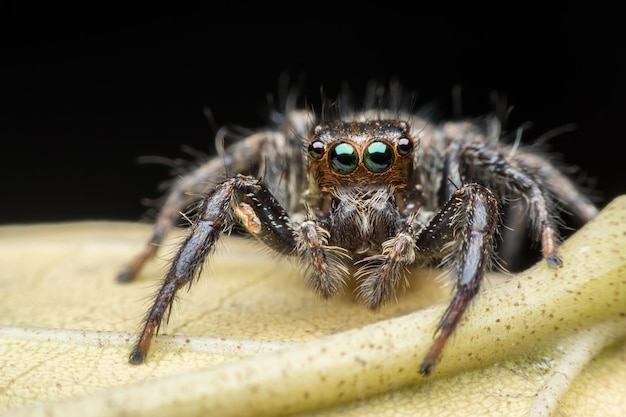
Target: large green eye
(343,158)
(378,157)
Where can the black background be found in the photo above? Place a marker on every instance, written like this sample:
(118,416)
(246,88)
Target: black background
(85,97)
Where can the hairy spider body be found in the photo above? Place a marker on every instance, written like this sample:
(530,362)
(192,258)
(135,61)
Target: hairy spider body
(381,189)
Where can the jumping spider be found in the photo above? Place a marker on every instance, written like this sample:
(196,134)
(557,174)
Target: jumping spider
(381,188)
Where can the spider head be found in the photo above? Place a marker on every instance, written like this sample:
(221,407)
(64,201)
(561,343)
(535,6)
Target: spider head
(361,153)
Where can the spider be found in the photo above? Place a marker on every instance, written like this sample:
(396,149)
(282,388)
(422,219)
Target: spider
(375,189)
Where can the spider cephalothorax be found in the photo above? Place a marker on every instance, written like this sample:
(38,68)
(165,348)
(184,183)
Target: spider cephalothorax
(379,189)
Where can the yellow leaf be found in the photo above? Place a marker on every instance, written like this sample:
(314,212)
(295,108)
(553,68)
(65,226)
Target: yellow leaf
(251,339)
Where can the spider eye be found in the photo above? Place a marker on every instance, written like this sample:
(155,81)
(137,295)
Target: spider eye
(316,150)
(343,158)
(404,146)
(378,157)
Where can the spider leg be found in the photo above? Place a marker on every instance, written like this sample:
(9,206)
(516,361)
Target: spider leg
(178,198)
(561,186)
(240,198)
(462,233)
(511,174)
(563,190)
(242,157)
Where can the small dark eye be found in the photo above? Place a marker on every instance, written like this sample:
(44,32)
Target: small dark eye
(405,146)
(378,157)
(316,150)
(343,158)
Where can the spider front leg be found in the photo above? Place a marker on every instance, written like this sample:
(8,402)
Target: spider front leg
(463,231)
(241,198)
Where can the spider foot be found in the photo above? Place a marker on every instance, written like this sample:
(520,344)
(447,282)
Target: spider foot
(554,261)
(427,366)
(126,276)
(136,357)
